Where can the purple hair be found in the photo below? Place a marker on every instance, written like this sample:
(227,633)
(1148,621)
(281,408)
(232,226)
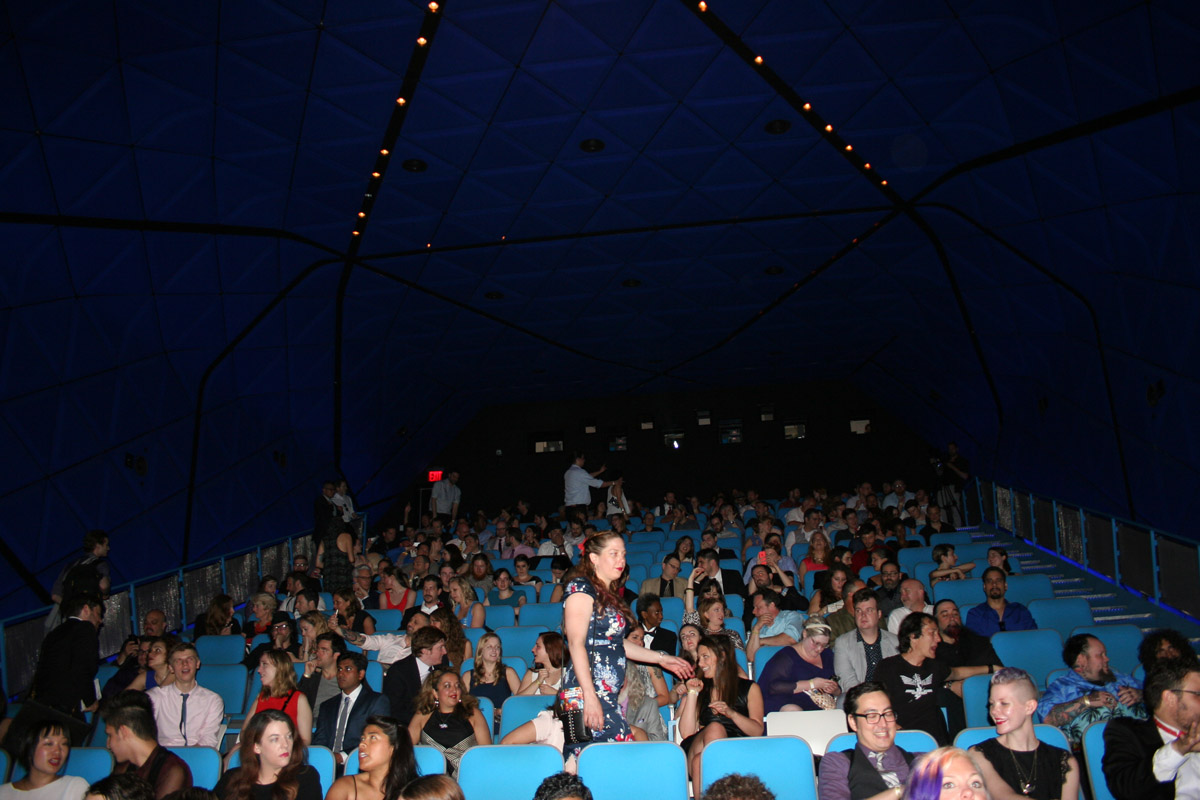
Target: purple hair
(925,781)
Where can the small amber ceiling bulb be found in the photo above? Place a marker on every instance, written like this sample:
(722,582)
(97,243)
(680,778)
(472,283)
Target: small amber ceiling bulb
(758,59)
(849,148)
(867,165)
(829,129)
(354,233)
(374,174)
(362,214)
(400,101)
(883,183)
(383,152)
(703,6)
(422,41)
(808,106)
(433,7)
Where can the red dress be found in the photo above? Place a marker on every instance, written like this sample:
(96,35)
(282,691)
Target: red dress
(288,704)
(386,599)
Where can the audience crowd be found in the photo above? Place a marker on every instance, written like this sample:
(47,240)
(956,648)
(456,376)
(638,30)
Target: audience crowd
(750,607)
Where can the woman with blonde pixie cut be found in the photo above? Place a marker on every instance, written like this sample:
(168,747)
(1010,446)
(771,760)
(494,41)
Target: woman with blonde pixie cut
(947,773)
(1015,764)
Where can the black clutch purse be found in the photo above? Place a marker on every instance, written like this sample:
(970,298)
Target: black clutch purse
(569,711)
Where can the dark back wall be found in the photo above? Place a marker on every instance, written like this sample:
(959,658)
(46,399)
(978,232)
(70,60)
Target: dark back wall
(494,452)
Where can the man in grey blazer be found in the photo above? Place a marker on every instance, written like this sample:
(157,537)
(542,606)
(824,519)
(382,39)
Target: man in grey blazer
(855,654)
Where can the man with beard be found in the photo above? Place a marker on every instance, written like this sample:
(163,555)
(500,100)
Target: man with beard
(1090,692)
(913,677)
(997,614)
(888,592)
(963,653)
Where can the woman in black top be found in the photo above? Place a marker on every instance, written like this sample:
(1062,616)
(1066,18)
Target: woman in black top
(350,613)
(448,718)
(272,763)
(718,704)
(386,763)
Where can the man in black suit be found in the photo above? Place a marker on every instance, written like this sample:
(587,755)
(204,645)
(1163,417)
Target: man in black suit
(650,614)
(1159,758)
(64,683)
(343,718)
(709,566)
(404,678)
(324,510)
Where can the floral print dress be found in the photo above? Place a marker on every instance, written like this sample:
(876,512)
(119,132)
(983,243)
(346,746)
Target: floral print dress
(606,655)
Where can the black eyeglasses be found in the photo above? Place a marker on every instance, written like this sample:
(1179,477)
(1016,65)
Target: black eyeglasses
(1186,691)
(872,717)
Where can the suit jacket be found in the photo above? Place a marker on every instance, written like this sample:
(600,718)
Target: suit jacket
(850,656)
(654,586)
(664,640)
(732,580)
(401,685)
(1129,746)
(66,669)
(368,704)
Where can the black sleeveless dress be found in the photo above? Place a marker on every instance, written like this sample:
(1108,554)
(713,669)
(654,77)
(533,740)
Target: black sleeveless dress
(1036,773)
(708,716)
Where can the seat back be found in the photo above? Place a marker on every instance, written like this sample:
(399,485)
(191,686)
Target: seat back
(1063,614)
(519,640)
(672,608)
(1024,589)
(89,763)
(620,770)
(205,764)
(499,617)
(506,771)
(910,556)
(976,690)
(783,763)
(814,727)
(1121,641)
(1039,652)
(374,676)
(519,709)
(387,620)
(965,593)
(321,759)
(230,649)
(912,741)
(430,760)
(1093,757)
(763,655)
(969,737)
(227,680)
(548,615)
(955,538)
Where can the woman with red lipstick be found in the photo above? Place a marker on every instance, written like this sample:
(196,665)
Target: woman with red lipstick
(43,753)
(272,763)
(448,718)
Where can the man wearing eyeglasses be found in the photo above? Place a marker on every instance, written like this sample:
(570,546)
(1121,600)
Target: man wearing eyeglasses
(1159,758)
(875,768)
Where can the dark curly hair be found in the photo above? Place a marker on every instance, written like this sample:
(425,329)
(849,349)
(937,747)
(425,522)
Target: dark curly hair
(1148,649)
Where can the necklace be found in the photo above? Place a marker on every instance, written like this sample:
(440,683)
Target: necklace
(1025,783)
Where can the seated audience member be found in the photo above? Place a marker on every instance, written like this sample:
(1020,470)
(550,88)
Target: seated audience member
(218,620)
(154,623)
(350,614)
(563,786)
(522,576)
(948,568)
(964,652)
(386,762)
(319,683)
(842,621)
(800,677)
(827,598)
(872,543)
(709,566)
(998,557)
(772,624)
(187,714)
(448,717)
(804,534)
(913,677)
(131,663)
(122,787)
(734,787)
(644,693)
(875,768)
(650,616)
(465,604)
(912,599)
(1164,644)
(857,653)
(545,728)
(431,599)
(309,599)
(888,590)
(545,675)
(947,773)
(458,646)
(685,551)
(718,704)
(260,610)
(669,584)
(1090,692)
(343,718)
(364,590)
(158,670)
(282,637)
(491,677)
(391,646)
(432,787)
(280,692)
(273,763)
(43,751)
(404,679)
(133,740)
(934,523)
(996,614)
(1158,758)
(1015,764)
(503,593)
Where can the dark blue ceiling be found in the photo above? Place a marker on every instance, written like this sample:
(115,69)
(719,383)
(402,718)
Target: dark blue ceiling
(180,183)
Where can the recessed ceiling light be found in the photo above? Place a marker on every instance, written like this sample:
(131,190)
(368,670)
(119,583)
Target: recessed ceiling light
(631,283)
(777,126)
(591,145)
(494,295)
(415,165)
(774,269)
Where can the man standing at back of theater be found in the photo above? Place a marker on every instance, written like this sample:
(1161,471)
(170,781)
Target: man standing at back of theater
(577,486)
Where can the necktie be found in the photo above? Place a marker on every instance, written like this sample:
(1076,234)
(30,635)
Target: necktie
(341,725)
(889,777)
(183,718)
(668,588)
